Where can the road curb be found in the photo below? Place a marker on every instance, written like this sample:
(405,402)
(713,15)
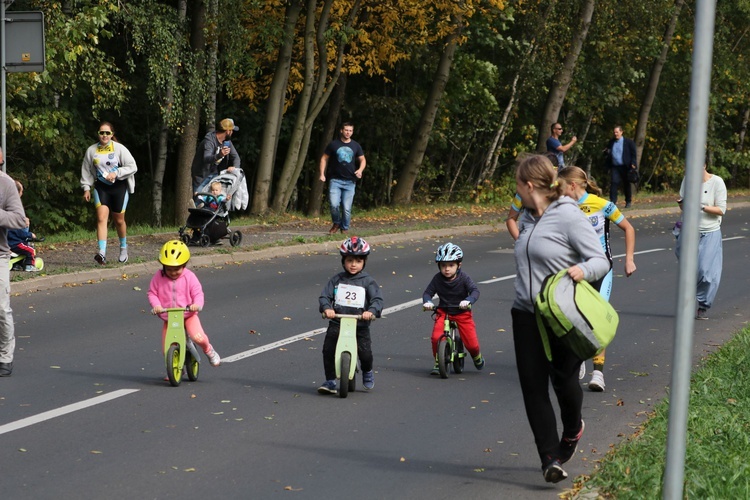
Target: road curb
(95,275)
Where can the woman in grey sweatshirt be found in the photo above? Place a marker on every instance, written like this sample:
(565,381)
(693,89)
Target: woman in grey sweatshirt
(554,235)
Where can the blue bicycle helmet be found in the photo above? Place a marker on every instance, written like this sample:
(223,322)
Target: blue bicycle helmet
(449,253)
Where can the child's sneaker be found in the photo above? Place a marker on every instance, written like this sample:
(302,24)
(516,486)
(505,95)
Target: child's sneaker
(213,357)
(478,361)
(435,370)
(368,379)
(100,259)
(123,255)
(31,269)
(328,387)
(597,381)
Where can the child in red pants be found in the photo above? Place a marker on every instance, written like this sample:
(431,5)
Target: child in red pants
(457,292)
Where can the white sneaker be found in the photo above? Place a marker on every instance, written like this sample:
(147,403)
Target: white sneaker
(596,383)
(582,371)
(213,358)
(123,255)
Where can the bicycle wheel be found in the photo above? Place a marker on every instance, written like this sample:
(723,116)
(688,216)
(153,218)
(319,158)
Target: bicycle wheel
(346,364)
(174,370)
(192,366)
(444,357)
(459,356)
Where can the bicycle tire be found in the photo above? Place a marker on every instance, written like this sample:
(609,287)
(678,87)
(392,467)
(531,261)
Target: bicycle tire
(459,356)
(346,364)
(174,370)
(192,365)
(444,357)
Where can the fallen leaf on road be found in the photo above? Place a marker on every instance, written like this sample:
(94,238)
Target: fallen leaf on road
(289,488)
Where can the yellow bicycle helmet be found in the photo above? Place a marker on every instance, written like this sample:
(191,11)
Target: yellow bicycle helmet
(174,253)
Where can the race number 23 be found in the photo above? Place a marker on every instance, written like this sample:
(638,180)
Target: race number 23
(350,296)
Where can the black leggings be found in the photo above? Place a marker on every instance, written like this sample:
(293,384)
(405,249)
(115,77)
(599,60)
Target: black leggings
(535,373)
(364,349)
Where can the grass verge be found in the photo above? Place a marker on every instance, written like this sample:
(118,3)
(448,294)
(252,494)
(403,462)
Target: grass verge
(718,441)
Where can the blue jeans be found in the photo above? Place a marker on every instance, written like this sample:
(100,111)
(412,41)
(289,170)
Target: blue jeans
(341,193)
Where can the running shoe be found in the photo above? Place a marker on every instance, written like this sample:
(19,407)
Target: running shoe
(701,313)
(100,259)
(582,371)
(596,383)
(435,370)
(568,446)
(553,472)
(123,255)
(328,387)
(368,379)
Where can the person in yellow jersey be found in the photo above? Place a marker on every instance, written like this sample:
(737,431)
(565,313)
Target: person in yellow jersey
(600,213)
(109,168)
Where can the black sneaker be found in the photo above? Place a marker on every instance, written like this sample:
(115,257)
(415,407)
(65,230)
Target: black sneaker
(553,472)
(568,446)
(100,259)
(701,313)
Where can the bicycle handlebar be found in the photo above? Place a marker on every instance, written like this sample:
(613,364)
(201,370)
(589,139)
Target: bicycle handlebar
(339,316)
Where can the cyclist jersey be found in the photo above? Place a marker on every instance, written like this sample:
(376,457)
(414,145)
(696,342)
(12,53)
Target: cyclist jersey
(105,161)
(600,212)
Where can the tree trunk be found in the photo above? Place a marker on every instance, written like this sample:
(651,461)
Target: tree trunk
(212,65)
(286,180)
(653,83)
(315,93)
(274,112)
(562,80)
(329,130)
(405,185)
(191,121)
(740,143)
(161,154)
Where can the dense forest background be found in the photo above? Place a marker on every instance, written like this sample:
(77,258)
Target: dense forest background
(444,94)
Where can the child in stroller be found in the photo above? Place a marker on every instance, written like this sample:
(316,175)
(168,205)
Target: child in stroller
(209,222)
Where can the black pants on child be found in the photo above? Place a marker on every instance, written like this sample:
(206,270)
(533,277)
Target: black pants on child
(364,349)
(535,373)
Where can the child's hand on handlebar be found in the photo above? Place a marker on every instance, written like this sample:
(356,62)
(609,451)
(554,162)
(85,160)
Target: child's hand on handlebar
(428,306)
(157,310)
(367,316)
(329,313)
(464,304)
(193,308)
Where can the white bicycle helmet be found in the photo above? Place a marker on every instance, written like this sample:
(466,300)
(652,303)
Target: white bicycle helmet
(449,253)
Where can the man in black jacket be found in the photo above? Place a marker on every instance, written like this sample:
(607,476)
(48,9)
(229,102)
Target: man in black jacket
(620,159)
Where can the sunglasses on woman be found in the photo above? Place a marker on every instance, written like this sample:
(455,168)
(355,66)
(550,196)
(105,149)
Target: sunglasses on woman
(105,132)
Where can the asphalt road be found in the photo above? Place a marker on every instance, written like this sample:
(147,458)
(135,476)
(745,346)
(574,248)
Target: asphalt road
(86,413)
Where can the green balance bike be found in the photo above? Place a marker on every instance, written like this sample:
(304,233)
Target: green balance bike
(180,354)
(346,353)
(450,349)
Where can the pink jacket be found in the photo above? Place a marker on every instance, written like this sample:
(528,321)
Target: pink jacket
(182,292)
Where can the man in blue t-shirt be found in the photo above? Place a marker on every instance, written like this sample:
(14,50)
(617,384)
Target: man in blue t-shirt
(347,162)
(555,146)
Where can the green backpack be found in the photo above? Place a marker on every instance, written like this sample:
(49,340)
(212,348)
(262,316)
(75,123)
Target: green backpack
(576,313)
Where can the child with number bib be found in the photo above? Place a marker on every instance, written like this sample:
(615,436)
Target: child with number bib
(350,292)
(456,292)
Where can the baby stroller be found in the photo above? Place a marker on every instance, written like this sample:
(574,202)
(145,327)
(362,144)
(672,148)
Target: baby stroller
(206,225)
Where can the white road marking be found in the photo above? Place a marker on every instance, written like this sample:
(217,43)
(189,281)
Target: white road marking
(306,335)
(47,415)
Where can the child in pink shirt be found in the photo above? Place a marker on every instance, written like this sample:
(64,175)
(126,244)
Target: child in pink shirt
(177,286)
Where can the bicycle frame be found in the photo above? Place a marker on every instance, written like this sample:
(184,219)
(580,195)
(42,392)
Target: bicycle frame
(450,348)
(177,336)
